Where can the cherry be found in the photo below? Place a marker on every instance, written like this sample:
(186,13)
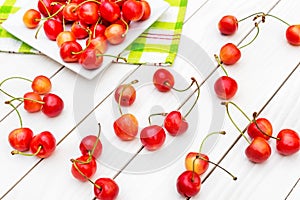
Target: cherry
(228,25)
(91,145)
(52,28)
(126,127)
(69,12)
(175,124)
(106,189)
(80,29)
(32,18)
(65,36)
(259,150)
(230,54)
(45,8)
(57,8)
(163,80)
(97,30)
(199,161)
(41,84)
(132,10)
(110,11)
(147,10)
(115,34)
(69,51)
(32,102)
(83,167)
(125,94)
(288,142)
(225,87)
(99,42)
(53,105)
(91,58)
(293,35)
(152,137)
(20,139)
(260,127)
(88,12)
(188,184)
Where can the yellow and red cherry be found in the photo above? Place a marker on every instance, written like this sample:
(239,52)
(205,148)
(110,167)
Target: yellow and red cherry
(261,127)
(258,150)
(99,42)
(115,34)
(293,35)
(106,189)
(20,139)
(83,167)
(225,87)
(163,80)
(126,94)
(69,12)
(194,162)
(153,137)
(65,36)
(91,58)
(31,18)
(188,184)
(53,105)
(41,84)
(147,10)
(288,142)
(32,102)
(126,127)
(175,124)
(230,54)
(228,25)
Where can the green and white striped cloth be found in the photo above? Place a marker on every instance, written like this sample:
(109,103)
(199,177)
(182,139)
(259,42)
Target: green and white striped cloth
(158,45)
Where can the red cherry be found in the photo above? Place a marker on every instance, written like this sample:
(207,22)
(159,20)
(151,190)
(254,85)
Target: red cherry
(69,51)
(31,18)
(80,29)
(126,127)
(97,30)
(41,84)
(230,54)
(228,25)
(152,137)
(88,13)
(264,125)
(175,124)
(293,35)
(57,8)
(225,87)
(52,28)
(45,141)
(200,165)
(106,189)
(188,184)
(128,93)
(44,7)
(69,12)
(91,58)
(83,167)
(132,10)
(163,80)
(288,142)
(87,144)
(53,105)
(20,139)
(30,102)
(110,11)
(115,34)
(259,150)
(147,10)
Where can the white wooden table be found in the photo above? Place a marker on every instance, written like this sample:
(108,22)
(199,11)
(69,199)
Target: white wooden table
(267,75)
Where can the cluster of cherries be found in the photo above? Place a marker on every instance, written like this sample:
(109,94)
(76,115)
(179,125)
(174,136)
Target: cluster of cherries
(225,86)
(84,167)
(153,136)
(100,22)
(22,139)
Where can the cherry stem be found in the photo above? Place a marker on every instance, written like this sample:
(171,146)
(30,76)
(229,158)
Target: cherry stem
(263,15)
(127,27)
(227,111)
(255,122)
(193,176)
(118,57)
(202,158)
(18,113)
(166,83)
(207,136)
(23,99)
(257,32)
(14,77)
(155,114)
(82,174)
(97,141)
(198,95)
(121,94)
(220,63)
(27,154)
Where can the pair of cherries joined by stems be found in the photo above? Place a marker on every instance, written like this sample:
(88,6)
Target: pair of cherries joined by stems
(260,131)
(153,136)
(102,22)
(22,139)
(84,167)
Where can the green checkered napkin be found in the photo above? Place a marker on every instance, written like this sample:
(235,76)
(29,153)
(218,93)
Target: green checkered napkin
(158,45)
